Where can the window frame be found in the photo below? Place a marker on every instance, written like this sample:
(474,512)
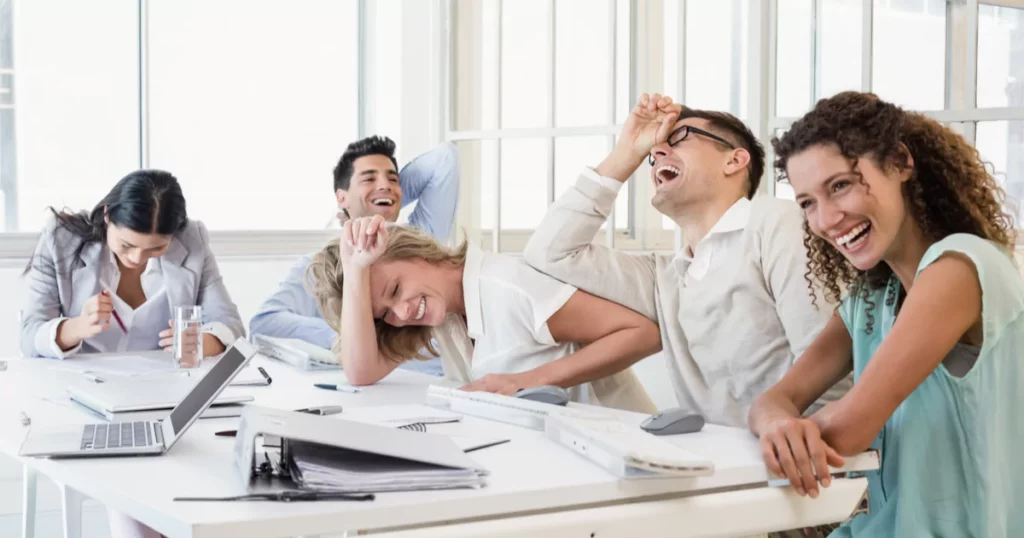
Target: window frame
(16,247)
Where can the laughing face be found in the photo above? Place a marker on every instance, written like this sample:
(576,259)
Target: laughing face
(408,293)
(686,167)
(861,213)
(374,189)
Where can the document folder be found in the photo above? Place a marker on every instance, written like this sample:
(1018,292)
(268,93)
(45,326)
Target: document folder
(287,449)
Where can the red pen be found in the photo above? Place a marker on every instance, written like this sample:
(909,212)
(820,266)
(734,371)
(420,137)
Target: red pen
(116,317)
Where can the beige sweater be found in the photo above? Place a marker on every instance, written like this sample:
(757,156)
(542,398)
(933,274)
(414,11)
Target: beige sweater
(728,338)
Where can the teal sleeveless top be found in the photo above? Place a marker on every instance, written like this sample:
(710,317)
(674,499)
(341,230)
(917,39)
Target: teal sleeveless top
(953,451)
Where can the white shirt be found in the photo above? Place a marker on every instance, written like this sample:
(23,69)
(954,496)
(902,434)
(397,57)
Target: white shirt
(508,305)
(143,324)
(723,239)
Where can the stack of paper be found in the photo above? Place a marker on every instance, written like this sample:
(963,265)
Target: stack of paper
(329,468)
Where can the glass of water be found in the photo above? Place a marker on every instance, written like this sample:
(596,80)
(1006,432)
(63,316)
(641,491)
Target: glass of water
(188,337)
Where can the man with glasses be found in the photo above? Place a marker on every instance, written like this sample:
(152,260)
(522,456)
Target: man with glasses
(733,306)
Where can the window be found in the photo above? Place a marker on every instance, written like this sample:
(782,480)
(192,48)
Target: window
(75,105)
(537,86)
(933,71)
(254,109)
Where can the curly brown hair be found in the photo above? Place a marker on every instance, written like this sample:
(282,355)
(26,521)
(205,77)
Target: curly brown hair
(325,280)
(950,190)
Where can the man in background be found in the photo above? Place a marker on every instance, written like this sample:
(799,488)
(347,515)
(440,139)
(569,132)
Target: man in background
(367,182)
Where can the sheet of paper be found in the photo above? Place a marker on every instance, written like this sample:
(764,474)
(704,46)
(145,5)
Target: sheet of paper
(398,415)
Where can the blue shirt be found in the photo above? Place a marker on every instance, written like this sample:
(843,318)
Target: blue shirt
(951,463)
(431,180)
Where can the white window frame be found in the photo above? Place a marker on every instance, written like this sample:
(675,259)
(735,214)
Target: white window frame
(643,218)
(16,247)
(961,80)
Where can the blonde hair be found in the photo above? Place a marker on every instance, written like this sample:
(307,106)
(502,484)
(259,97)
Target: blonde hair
(325,279)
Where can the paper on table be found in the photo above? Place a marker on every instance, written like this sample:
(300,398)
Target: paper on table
(399,415)
(122,365)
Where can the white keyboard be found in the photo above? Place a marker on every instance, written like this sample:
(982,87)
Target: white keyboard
(622,448)
(506,409)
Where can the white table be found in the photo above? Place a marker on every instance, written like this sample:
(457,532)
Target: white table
(536,488)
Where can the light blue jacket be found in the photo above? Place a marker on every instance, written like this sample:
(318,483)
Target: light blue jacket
(432,179)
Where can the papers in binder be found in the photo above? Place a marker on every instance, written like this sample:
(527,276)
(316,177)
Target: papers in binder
(327,468)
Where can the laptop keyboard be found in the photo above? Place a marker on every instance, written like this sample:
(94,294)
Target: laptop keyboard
(116,435)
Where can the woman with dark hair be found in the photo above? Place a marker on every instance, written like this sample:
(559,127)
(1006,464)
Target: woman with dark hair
(137,255)
(903,216)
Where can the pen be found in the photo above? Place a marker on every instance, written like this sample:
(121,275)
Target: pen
(93,378)
(117,318)
(339,388)
(264,374)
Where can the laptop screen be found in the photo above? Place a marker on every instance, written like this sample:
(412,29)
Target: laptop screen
(203,394)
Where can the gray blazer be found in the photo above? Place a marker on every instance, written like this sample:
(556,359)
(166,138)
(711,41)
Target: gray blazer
(59,283)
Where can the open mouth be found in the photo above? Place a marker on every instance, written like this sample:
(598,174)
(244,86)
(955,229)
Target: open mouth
(855,238)
(422,310)
(665,174)
(383,202)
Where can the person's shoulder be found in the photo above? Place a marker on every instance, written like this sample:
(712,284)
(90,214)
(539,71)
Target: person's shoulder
(992,261)
(512,276)
(769,211)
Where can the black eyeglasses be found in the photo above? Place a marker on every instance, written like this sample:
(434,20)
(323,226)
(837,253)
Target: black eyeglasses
(681,133)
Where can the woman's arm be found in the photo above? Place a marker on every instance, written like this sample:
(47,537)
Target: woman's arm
(613,338)
(362,242)
(941,306)
(790,444)
(827,360)
(222,324)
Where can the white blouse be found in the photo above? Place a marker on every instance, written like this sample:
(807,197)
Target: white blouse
(143,324)
(508,305)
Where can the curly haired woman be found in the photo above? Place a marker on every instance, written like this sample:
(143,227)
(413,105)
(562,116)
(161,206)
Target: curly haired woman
(394,294)
(903,216)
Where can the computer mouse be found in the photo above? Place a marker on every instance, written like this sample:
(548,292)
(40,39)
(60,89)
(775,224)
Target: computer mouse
(549,394)
(673,421)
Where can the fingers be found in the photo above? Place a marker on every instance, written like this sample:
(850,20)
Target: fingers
(786,461)
(797,438)
(472,387)
(817,450)
(833,457)
(771,459)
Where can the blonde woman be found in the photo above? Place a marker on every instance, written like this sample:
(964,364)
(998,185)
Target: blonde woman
(392,292)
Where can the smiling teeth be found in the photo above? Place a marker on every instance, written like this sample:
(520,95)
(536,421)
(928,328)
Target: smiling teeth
(422,310)
(845,239)
(672,169)
(383,201)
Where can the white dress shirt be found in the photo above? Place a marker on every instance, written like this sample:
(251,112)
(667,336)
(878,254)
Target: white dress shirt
(723,239)
(142,325)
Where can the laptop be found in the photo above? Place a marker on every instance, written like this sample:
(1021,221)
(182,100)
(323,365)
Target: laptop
(141,437)
(137,399)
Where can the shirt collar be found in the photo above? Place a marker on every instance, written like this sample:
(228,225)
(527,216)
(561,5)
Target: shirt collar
(733,220)
(471,291)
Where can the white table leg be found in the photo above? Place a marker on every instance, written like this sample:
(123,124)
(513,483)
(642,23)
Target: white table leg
(71,503)
(28,503)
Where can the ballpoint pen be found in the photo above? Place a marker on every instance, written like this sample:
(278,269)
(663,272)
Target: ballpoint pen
(93,378)
(339,388)
(264,374)
(117,318)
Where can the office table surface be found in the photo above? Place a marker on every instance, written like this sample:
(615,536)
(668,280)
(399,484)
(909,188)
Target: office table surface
(530,473)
